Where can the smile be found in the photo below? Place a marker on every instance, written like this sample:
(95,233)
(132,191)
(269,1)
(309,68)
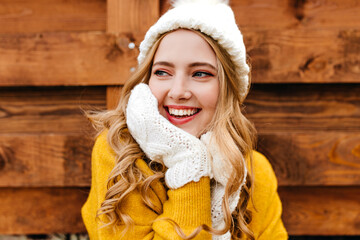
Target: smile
(179,115)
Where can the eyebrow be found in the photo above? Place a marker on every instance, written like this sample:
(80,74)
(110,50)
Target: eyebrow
(164,63)
(195,64)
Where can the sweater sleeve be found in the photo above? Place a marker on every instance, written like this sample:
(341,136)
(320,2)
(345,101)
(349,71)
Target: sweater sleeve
(266,206)
(188,206)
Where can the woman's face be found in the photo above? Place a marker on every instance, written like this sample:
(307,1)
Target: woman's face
(184,80)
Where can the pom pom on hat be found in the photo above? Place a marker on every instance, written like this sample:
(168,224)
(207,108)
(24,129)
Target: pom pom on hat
(211,17)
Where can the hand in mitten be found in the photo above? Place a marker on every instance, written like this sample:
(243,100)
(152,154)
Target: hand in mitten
(183,154)
(221,173)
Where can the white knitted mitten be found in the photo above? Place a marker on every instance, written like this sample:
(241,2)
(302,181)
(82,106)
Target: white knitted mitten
(221,174)
(183,154)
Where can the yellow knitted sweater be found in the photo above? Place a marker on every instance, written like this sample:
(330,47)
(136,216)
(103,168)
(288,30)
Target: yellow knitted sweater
(189,206)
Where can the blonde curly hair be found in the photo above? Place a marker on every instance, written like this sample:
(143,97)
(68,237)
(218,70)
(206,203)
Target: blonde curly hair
(234,134)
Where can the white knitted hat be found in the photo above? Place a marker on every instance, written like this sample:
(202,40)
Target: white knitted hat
(212,17)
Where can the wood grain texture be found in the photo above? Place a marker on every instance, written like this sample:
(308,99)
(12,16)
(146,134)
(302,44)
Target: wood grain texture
(306,210)
(41,16)
(131,18)
(95,58)
(310,133)
(48,109)
(326,159)
(92,58)
(134,16)
(45,160)
(297,55)
(287,14)
(17,16)
(56,59)
(282,108)
(41,210)
(313,159)
(112,96)
(321,210)
(276,108)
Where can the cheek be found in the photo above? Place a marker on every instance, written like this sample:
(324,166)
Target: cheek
(210,97)
(156,89)
(159,92)
(212,100)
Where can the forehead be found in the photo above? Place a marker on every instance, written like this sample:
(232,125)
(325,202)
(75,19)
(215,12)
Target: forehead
(185,45)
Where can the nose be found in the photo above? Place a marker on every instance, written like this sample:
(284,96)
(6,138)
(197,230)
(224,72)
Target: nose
(179,88)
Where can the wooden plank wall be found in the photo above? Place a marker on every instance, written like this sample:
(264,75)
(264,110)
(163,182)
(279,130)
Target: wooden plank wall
(58,57)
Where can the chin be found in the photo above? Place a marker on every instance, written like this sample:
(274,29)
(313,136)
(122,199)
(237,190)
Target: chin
(193,132)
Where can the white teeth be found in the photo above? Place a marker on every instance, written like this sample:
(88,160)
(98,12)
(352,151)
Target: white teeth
(182,112)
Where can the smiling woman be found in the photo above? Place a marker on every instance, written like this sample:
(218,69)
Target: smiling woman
(175,159)
(185,82)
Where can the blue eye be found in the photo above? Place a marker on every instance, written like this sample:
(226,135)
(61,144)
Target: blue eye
(161,73)
(202,74)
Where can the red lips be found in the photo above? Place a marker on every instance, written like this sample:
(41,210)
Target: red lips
(177,120)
